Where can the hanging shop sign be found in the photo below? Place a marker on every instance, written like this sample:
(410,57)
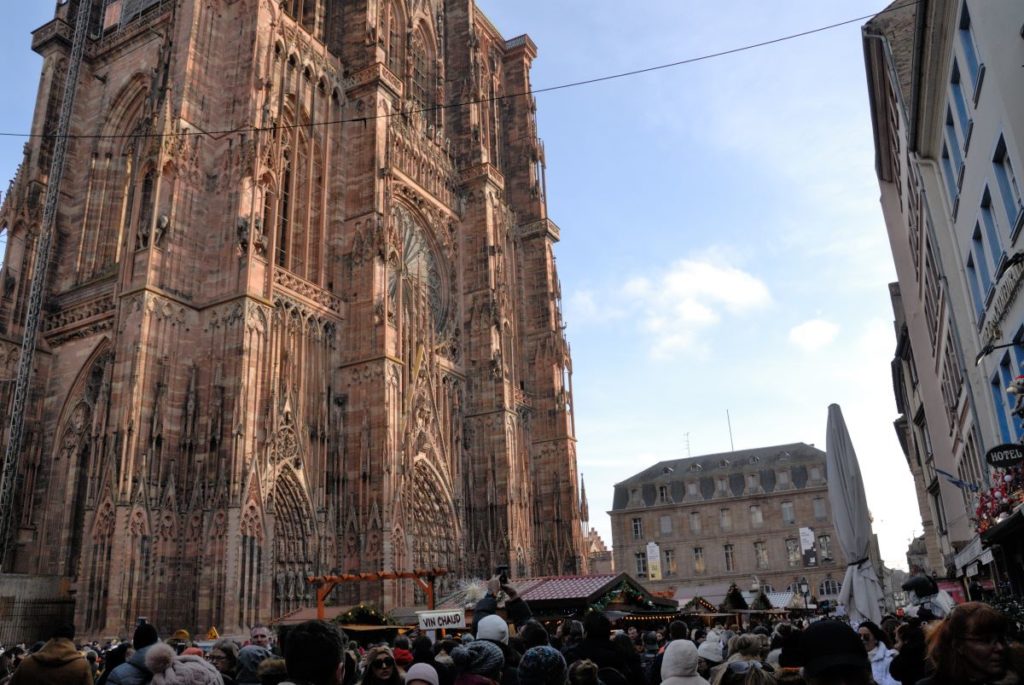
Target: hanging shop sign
(436,620)
(1002,456)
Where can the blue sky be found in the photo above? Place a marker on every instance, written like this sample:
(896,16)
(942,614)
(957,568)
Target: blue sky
(722,244)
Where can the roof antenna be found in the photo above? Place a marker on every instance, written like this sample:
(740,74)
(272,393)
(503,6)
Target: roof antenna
(687,436)
(732,447)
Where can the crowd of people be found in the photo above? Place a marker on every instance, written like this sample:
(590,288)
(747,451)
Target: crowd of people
(974,644)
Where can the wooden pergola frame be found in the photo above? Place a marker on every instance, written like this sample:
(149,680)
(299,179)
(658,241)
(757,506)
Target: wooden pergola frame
(325,584)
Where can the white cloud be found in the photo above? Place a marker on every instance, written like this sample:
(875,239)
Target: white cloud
(693,295)
(814,334)
(583,307)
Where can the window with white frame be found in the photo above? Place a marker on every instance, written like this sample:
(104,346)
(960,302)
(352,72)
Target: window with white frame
(828,588)
(956,92)
(792,552)
(725,519)
(788,513)
(640,559)
(825,547)
(1009,186)
(695,522)
(783,477)
(670,562)
(761,554)
(730,558)
(638,528)
(819,508)
(699,566)
(691,488)
(663,497)
(975,67)
(666,524)
(756,515)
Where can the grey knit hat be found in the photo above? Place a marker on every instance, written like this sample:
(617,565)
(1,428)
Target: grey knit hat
(249,659)
(480,657)
(542,665)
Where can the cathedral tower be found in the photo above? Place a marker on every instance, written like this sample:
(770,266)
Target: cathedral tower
(302,314)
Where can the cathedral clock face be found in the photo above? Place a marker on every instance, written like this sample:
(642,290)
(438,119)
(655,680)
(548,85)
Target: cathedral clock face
(418,271)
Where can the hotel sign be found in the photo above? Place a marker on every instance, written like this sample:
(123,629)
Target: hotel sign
(1002,456)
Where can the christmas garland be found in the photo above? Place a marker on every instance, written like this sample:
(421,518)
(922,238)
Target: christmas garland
(625,591)
(364,615)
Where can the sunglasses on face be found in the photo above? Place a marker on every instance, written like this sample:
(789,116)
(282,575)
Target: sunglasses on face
(386,662)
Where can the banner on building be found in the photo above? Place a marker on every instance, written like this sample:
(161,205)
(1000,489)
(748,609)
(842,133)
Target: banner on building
(653,561)
(807,550)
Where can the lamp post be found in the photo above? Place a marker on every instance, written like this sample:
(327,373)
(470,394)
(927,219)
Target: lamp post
(804,589)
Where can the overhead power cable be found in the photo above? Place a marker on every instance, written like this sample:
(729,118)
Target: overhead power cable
(496,98)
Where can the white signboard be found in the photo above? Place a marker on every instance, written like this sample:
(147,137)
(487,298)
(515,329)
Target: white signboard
(653,561)
(807,547)
(441,620)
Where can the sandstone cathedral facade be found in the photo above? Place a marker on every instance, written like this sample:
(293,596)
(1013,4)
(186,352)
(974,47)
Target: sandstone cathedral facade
(302,314)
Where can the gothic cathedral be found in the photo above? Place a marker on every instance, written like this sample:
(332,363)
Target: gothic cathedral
(302,314)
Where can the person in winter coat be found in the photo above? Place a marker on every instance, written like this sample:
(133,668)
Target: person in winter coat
(478,663)
(57,663)
(909,665)
(134,671)
(187,669)
(494,629)
(679,665)
(878,652)
(596,644)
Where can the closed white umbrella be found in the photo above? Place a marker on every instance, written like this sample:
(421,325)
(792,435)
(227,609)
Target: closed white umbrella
(861,591)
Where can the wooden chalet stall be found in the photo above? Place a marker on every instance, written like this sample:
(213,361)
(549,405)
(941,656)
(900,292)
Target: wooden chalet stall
(553,599)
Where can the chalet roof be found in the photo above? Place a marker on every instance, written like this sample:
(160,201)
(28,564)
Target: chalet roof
(567,590)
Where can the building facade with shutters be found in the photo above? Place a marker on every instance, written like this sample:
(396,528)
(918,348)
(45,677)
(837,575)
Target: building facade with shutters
(947,114)
(302,314)
(750,516)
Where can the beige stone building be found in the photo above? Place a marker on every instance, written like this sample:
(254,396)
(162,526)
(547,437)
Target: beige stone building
(748,517)
(302,313)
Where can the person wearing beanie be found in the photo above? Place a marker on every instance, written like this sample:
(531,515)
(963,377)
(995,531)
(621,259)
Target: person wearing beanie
(478,663)
(169,669)
(542,665)
(832,653)
(249,659)
(679,665)
(421,674)
(57,662)
(134,671)
(709,655)
(494,629)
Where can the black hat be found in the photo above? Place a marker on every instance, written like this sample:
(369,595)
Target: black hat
(145,635)
(827,645)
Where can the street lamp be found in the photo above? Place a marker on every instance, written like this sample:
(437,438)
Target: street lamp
(804,589)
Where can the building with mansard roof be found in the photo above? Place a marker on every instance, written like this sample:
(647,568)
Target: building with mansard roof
(302,313)
(757,517)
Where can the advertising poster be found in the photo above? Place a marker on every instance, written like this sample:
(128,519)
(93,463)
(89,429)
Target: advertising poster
(807,550)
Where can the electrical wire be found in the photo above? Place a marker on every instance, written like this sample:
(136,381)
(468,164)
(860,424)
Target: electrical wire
(496,98)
